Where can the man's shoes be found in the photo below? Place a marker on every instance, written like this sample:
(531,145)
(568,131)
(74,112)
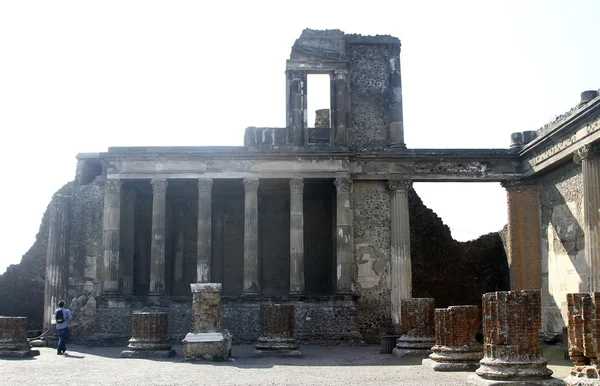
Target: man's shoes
(59,352)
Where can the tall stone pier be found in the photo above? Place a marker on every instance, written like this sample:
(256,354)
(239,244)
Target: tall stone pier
(512,353)
(455,346)
(13,338)
(584,338)
(208,340)
(277,322)
(149,336)
(418,331)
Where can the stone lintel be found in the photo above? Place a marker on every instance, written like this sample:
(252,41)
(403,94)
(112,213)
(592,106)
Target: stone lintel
(206,287)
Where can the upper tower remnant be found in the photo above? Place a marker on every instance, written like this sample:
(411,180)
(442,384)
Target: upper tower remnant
(365,93)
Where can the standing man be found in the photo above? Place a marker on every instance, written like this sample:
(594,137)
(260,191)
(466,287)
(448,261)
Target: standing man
(62,316)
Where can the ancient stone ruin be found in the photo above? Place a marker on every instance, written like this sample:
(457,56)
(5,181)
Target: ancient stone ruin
(149,336)
(13,338)
(456,348)
(277,322)
(418,328)
(208,339)
(584,338)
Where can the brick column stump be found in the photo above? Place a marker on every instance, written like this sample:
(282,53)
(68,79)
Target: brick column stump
(417,327)
(512,354)
(455,346)
(584,331)
(207,340)
(277,322)
(13,338)
(149,336)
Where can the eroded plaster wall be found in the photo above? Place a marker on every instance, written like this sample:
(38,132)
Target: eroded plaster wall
(562,238)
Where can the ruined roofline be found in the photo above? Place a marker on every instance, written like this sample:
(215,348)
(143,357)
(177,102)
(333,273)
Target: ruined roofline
(336,34)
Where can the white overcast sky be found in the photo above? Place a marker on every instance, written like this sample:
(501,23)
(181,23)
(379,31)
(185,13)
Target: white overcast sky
(80,76)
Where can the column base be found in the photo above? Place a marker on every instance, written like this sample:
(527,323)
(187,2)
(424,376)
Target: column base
(210,346)
(449,366)
(19,353)
(397,145)
(414,352)
(477,380)
(147,353)
(573,380)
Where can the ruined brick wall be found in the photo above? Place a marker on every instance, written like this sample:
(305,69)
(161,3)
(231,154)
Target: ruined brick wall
(369,89)
(563,258)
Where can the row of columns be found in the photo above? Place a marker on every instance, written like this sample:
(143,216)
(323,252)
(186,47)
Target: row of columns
(121,269)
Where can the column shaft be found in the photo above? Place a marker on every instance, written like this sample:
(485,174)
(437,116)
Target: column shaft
(111,237)
(251,285)
(341,121)
(525,255)
(296,236)
(401,263)
(203,261)
(590,165)
(57,259)
(344,239)
(396,133)
(157,248)
(295,108)
(127,240)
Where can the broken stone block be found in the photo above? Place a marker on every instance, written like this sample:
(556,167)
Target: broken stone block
(512,352)
(150,338)
(13,338)
(322,119)
(417,327)
(207,340)
(277,322)
(455,346)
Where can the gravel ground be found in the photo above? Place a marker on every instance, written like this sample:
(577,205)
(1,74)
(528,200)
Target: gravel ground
(320,365)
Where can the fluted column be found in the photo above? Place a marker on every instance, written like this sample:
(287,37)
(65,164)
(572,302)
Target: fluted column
(341,98)
(203,261)
(524,244)
(396,114)
(111,237)
(251,285)
(295,108)
(400,248)
(296,236)
(590,168)
(127,239)
(57,259)
(344,239)
(157,248)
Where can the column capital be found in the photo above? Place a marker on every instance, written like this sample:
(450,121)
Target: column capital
(159,185)
(340,73)
(296,185)
(586,152)
(400,184)
(205,185)
(343,184)
(112,186)
(519,184)
(251,185)
(294,74)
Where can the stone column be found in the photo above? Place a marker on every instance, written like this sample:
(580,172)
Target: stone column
(207,339)
(295,108)
(400,248)
(345,244)
(455,346)
(149,336)
(251,286)
(127,240)
(341,113)
(589,157)
(583,315)
(13,338)
(418,327)
(396,115)
(296,236)
(512,321)
(157,247)
(57,258)
(203,261)
(111,237)
(277,323)
(524,233)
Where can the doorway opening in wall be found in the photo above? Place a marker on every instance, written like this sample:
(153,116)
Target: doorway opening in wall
(318,107)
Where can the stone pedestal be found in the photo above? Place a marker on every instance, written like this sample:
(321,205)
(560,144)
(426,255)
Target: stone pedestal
(455,346)
(277,322)
(208,340)
(512,353)
(149,336)
(584,331)
(13,338)
(417,327)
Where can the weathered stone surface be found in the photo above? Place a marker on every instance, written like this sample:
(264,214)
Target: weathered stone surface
(322,119)
(417,327)
(455,346)
(150,337)
(511,325)
(13,338)
(277,323)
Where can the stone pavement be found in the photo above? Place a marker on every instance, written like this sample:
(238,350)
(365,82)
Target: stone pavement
(320,365)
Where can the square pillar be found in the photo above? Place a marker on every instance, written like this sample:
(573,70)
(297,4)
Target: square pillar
(297,236)
(251,285)
(126,265)
(345,239)
(111,237)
